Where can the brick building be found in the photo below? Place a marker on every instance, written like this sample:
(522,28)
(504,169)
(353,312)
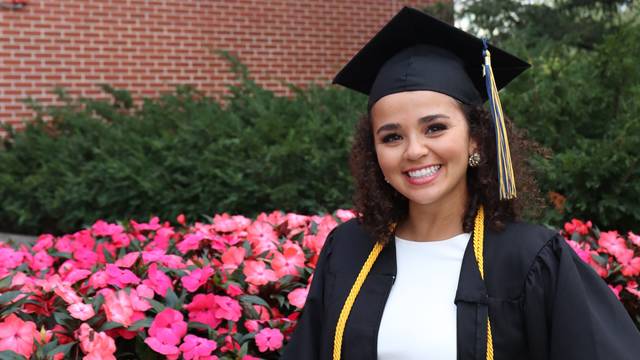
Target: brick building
(149,46)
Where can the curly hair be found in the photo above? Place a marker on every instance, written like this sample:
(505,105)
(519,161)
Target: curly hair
(380,205)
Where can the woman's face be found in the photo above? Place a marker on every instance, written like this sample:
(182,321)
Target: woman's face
(423,145)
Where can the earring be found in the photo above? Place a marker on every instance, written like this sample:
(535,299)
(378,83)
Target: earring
(474,159)
(387,180)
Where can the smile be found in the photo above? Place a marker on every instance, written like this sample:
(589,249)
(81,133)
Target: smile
(424,172)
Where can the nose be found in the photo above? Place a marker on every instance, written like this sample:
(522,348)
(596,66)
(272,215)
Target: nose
(416,149)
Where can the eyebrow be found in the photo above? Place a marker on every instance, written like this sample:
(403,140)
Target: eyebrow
(422,120)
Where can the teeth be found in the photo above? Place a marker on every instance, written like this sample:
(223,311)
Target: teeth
(428,171)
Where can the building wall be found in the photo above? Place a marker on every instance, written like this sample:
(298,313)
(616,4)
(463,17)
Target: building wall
(149,46)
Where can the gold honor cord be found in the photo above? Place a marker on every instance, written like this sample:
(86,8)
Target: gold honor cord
(478,237)
(478,247)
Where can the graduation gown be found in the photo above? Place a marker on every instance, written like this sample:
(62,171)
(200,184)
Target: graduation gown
(544,302)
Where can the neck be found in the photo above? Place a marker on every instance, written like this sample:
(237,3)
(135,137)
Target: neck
(432,223)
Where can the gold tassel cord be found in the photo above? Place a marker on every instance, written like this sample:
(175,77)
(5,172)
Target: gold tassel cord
(478,240)
(348,304)
(478,251)
(505,167)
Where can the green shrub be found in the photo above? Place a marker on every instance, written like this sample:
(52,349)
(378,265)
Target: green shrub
(580,100)
(181,153)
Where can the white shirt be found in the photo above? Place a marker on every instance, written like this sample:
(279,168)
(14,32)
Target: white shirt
(419,318)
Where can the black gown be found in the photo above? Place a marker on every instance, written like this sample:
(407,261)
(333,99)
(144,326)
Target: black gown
(544,302)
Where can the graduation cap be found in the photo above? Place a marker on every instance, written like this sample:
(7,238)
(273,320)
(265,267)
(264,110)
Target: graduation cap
(415,51)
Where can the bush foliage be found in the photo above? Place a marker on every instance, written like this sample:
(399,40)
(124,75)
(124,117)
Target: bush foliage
(181,153)
(580,99)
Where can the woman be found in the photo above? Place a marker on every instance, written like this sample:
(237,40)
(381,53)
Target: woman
(437,267)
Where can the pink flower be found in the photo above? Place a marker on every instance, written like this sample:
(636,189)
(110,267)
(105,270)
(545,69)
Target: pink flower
(196,348)
(616,290)
(262,237)
(17,335)
(314,242)
(120,240)
(119,277)
(166,331)
(233,290)
(583,253)
(76,275)
(139,298)
(86,258)
(631,267)
(232,258)
(190,242)
(11,258)
(577,226)
(158,280)
(99,280)
(44,242)
(41,261)
(228,308)
(632,287)
(269,340)
(202,309)
(196,278)
(97,345)
(81,311)
(66,293)
(345,215)
(298,297)
(153,224)
(118,308)
(224,223)
(257,273)
(288,262)
(252,325)
(635,239)
(181,219)
(102,228)
(128,260)
(611,242)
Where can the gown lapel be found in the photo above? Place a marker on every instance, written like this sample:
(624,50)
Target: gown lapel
(472,309)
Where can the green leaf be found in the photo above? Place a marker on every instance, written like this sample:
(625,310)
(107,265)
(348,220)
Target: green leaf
(62,317)
(10,355)
(97,302)
(107,255)
(157,306)
(253,299)
(9,296)
(172,299)
(109,325)
(140,324)
(199,326)
(64,349)
(5,282)
(143,350)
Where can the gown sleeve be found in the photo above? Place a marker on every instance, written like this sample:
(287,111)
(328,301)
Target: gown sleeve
(306,338)
(570,312)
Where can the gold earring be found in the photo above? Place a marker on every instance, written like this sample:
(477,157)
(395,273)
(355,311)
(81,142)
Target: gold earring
(474,159)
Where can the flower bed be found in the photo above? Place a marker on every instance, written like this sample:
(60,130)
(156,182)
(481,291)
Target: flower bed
(228,289)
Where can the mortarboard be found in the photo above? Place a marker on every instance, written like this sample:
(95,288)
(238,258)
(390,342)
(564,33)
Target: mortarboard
(415,51)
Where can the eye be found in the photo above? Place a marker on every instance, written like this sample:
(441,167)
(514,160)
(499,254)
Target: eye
(434,128)
(390,137)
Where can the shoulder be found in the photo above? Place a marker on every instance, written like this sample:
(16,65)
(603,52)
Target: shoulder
(349,245)
(511,253)
(520,239)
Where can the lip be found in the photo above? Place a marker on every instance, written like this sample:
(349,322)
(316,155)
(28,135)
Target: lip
(422,181)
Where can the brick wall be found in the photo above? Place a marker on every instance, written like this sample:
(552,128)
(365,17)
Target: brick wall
(150,46)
